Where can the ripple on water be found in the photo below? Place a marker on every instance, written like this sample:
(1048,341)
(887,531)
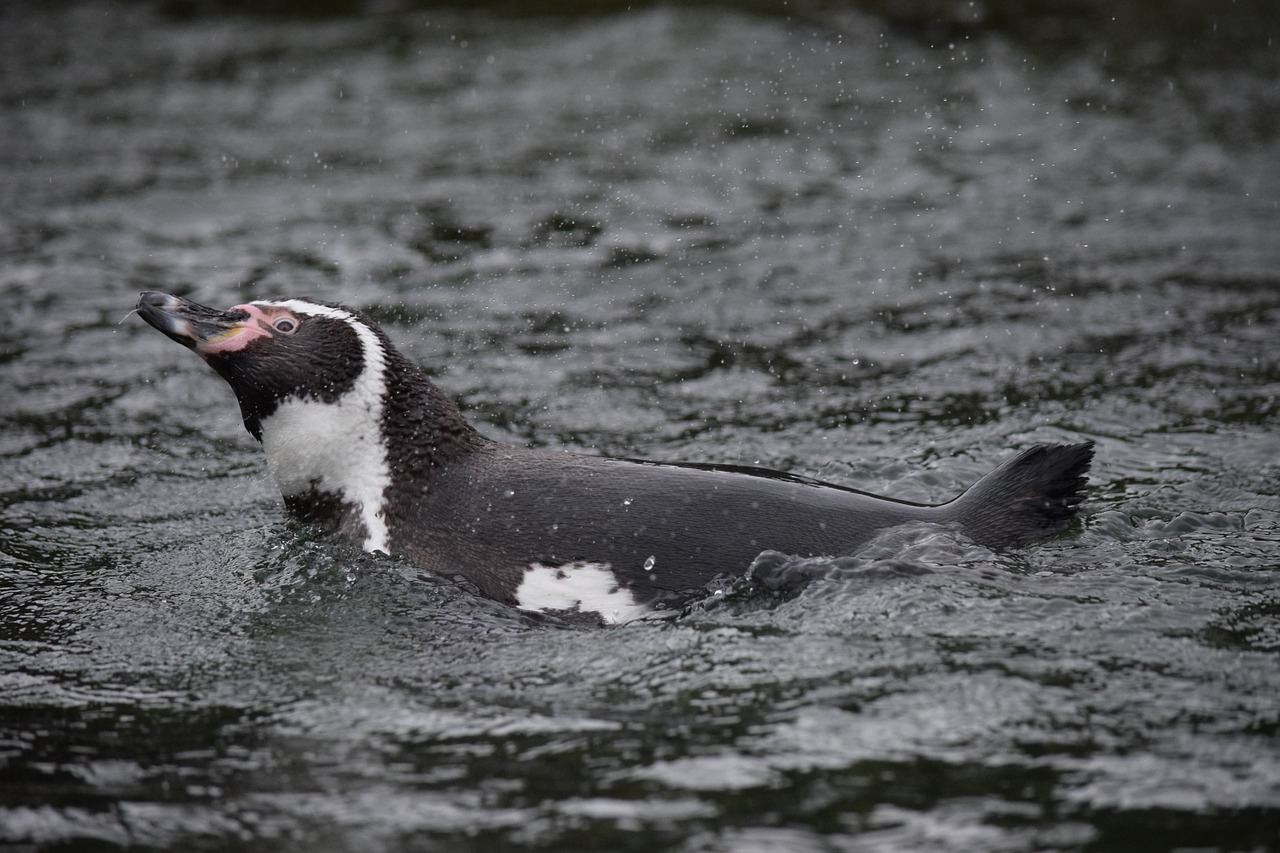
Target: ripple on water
(814,242)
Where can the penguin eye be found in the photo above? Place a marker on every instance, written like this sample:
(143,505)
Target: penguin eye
(287,325)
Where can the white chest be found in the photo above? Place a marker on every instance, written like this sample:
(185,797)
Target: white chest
(335,448)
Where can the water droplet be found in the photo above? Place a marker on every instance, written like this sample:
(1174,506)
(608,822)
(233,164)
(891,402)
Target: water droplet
(650,563)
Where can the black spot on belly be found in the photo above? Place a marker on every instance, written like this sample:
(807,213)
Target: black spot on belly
(329,512)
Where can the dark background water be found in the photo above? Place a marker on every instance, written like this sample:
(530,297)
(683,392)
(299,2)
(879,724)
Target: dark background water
(883,243)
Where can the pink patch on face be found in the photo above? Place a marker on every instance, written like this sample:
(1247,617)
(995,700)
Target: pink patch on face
(259,324)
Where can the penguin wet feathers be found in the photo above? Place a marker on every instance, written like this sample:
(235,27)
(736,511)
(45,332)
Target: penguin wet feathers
(361,443)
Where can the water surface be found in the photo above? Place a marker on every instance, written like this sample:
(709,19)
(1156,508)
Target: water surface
(858,244)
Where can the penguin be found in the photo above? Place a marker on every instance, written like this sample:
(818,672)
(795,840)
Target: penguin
(362,444)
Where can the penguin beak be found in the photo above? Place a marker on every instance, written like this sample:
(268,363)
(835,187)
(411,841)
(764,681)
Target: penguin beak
(190,324)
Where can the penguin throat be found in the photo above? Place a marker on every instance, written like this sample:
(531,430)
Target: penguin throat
(335,450)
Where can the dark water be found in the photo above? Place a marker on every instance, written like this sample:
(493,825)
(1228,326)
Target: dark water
(865,245)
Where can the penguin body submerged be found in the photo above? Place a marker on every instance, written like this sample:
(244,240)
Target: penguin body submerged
(361,443)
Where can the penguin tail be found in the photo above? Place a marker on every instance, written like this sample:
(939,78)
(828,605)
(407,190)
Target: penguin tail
(1030,497)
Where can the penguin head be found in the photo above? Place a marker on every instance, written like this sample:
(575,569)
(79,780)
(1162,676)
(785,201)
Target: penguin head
(274,351)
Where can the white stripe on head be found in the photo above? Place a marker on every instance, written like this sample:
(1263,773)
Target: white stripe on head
(338,446)
(578,587)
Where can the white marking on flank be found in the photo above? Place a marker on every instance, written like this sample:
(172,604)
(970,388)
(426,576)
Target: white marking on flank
(336,446)
(582,587)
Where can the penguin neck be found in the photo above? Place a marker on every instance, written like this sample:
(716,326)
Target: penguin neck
(422,428)
(336,462)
